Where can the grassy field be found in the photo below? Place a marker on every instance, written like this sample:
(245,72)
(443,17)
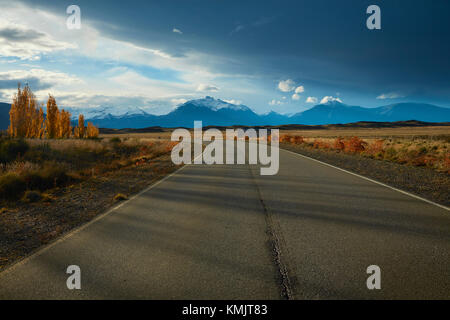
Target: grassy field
(429,133)
(416,146)
(30,167)
(421,147)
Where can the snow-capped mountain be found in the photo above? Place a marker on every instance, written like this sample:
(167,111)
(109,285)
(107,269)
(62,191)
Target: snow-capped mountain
(101,112)
(216,112)
(216,104)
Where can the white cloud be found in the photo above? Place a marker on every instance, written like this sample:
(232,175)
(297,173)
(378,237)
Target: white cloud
(295,96)
(391,95)
(299,89)
(207,87)
(286,85)
(175,30)
(330,99)
(233,101)
(178,101)
(90,44)
(275,102)
(238,28)
(51,77)
(41,81)
(311,100)
(289,85)
(27,44)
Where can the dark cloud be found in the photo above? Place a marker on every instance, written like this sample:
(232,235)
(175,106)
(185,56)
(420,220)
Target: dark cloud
(20,35)
(34,83)
(317,42)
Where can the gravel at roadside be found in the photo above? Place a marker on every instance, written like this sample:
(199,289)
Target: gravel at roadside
(25,227)
(421,181)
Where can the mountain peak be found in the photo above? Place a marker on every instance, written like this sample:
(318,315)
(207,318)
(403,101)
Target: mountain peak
(215,104)
(333,103)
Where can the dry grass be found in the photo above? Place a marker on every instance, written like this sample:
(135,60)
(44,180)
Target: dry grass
(51,163)
(385,133)
(431,151)
(150,136)
(67,144)
(120,197)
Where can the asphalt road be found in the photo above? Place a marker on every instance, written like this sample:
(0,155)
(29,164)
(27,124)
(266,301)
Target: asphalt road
(225,232)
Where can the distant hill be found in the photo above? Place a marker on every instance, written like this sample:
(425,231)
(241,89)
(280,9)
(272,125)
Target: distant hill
(355,125)
(416,111)
(4,115)
(336,112)
(216,112)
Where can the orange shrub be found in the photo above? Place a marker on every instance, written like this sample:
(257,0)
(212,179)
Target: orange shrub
(319,144)
(339,144)
(170,146)
(355,145)
(297,139)
(446,164)
(285,138)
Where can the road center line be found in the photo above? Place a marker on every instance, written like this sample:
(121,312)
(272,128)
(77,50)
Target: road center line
(278,250)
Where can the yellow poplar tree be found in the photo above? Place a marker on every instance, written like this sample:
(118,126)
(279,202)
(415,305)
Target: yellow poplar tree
(52,118)
(80,131)
(92,131)
(23,114)
(41,121)
(65,129)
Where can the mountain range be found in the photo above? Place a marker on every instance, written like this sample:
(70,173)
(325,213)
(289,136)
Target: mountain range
(216,112)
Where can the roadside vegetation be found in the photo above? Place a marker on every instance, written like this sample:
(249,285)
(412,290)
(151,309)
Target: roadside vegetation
(27,119)
(426,151)
(43,151)
(39,165)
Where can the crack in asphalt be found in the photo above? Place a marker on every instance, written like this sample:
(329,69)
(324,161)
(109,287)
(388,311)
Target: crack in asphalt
(276,242)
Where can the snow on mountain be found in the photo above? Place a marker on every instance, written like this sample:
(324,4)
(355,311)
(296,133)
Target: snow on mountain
(216,104)
(221,113)
(102,112)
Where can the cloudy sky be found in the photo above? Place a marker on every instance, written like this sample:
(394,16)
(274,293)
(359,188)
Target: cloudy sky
(284,56)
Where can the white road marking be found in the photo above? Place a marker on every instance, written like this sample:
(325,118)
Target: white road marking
(371,180)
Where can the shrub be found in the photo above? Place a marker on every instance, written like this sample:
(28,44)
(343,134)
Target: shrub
(423,151)
(11,186)
(339,144)
(54,176)
(32,196)
(319,144)
(419,161)
(47,178)
(125,149)
(390,154)
(375,149)
(115,140)
(285,138)
(47,197)
(34,180)
(120,197)
(355,145)
(297,140)
(11,149)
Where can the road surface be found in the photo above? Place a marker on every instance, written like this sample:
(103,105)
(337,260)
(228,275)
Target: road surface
(225,232)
